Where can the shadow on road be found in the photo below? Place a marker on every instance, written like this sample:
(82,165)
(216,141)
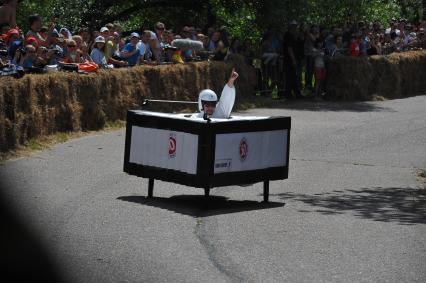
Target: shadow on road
(402,205)
(308,105)
(197,206)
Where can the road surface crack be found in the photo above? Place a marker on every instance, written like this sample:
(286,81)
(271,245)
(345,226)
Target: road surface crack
(211,251)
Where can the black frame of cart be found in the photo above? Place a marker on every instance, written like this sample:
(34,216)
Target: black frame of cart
(205,177)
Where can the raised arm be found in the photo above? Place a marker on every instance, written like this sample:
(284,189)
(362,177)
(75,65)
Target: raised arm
(227,98)
(232,78)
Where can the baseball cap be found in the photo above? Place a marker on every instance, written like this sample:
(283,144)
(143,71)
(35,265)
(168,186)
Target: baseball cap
(104,29)
(100,39)
(12,31)
(134,34)
(31,40)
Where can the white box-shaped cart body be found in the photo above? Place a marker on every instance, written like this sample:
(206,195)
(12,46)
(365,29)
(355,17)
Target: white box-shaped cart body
(207,154)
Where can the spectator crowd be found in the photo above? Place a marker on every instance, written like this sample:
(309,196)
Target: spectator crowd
(49,47)
(303,53)
(292,62)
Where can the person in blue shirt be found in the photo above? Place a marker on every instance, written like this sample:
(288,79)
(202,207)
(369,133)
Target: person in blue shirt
(130,52)
(27,60)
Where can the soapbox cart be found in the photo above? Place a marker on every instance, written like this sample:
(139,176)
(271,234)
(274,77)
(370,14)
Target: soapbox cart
(206,153)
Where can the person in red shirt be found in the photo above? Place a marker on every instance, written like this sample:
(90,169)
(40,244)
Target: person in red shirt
(354,50)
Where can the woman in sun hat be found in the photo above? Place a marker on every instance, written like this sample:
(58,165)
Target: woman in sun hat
(98,52)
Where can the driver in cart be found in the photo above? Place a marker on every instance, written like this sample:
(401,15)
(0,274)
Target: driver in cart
(209,106)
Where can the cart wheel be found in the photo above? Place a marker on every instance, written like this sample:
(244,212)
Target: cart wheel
(150,188)
(266,191)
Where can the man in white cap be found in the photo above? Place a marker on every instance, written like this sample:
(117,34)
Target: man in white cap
(210,107)
(105,32)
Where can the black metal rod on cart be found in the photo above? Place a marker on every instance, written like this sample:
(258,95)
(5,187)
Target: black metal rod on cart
(266,191)
(150,188)
(146,101)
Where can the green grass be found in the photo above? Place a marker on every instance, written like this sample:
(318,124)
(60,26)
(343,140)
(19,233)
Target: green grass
(35,144)
(114,125)
(62,137)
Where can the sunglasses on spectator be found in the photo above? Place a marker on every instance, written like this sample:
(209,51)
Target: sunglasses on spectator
(160,28)
(72,45)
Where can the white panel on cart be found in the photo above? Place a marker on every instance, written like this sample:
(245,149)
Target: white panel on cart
(250,151)
(164,149)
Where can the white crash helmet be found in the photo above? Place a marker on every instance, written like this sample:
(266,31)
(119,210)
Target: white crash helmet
(206,95)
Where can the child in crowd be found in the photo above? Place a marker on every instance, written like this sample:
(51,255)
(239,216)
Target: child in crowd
(319,67)
(27,60)
(73,55)
(98,52)
(84,57)
(354,50)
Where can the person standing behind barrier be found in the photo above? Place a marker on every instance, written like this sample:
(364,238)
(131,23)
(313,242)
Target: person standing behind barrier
(354,47)
(223,45)
(143,44)
(214,39)
(159,47)
(130,53)
(310,37)
(98,52)
(319,68)
(189,53)
(73,55)
(290,62)
(85,57)
(299,53)
(35,22)
(111,51)
(337,49)
(27,60)
(269,63)
(85,34)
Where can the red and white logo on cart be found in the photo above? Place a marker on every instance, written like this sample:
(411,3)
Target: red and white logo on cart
(243,149)
(172,145)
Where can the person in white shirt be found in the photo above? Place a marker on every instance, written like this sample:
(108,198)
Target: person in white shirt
(210,107)
(98,52)
(143,44)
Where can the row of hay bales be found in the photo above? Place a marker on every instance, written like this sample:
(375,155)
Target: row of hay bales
(392,76)
(37,105)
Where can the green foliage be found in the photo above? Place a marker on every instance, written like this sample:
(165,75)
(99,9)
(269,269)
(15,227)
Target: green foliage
(244,18)
(240,23)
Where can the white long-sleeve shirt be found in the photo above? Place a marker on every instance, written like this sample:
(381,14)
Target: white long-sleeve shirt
(224,106)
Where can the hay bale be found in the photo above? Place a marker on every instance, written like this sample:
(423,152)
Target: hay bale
(349,78)
(392,76)
(39,105)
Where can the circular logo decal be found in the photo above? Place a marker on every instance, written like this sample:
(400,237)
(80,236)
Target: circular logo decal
(172,146)
(243,149)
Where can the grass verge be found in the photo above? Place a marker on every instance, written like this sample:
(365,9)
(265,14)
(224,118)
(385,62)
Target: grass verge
(45,142)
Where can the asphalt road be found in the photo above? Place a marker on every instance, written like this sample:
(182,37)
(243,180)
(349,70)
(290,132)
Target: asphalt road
(351,210)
